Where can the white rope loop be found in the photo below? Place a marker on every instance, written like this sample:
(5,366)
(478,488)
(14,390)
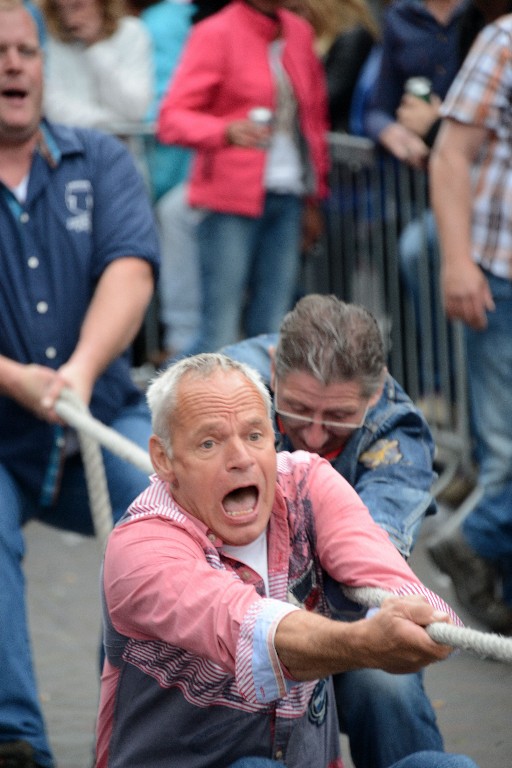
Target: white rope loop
(92,433)
(483,644)
(68,408)
(71,408)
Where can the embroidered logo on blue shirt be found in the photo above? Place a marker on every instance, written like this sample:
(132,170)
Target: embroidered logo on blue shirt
(79,202)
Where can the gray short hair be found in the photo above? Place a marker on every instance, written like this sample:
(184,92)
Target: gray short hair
(162,392)
(333,341)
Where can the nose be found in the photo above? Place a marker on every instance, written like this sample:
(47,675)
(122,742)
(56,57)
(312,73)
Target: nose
(238,455)
(315,436)
(12,59)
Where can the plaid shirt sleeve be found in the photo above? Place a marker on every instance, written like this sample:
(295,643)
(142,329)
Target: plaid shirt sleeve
(480,94)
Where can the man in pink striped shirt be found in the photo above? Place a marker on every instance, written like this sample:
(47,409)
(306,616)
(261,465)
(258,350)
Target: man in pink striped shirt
(219,635)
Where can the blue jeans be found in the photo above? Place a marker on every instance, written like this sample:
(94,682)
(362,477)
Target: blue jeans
(419,760)
(255,762)
(488,528)
(178,286)
(435,760)
(489,354)
(384,716)
(419,262)
(249,270)
(20,713)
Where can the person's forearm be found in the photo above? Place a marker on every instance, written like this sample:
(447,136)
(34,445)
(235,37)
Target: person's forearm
(115,315)
(450,188)
(311,646)
(394,639)
(466,292)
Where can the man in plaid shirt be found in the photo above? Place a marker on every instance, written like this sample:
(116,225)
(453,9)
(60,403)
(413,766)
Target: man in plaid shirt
(471,178)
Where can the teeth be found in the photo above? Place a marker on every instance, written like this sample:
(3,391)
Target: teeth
(239,512)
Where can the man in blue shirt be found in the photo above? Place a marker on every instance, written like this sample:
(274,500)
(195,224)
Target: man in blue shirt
(334,396)
(78,262)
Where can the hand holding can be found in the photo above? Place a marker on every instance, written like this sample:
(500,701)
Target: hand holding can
(262,116)
(421,87)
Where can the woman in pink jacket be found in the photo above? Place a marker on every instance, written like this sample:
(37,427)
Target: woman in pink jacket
(256,183)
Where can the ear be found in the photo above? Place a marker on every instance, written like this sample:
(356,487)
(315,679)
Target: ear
(161,462)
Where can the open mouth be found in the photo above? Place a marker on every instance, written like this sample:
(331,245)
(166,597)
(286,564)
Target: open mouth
(14,94)
(241,502)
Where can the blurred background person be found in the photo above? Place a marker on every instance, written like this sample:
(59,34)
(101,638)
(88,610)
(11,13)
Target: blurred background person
(419,39)
(345,33)
(471,183)
(179,285)
(422,115)
(258,186)
(168,23)
(98,67)
(418,245)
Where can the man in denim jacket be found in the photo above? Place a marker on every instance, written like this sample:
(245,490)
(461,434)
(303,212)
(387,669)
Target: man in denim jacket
(334,396)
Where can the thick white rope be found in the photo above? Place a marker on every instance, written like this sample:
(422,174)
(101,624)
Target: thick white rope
(73,411)
(483,644)
(92,433)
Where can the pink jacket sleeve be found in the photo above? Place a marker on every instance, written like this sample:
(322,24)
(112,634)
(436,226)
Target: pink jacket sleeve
(352,548)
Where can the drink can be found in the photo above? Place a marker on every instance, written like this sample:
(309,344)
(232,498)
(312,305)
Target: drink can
(260,115)
(421,87)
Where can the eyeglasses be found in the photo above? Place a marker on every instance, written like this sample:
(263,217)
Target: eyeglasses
(295,420)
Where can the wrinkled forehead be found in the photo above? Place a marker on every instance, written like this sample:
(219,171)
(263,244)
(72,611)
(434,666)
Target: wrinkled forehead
(304,385)
(221,394)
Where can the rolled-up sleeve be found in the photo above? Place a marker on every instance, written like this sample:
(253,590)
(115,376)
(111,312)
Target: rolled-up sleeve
(260,674)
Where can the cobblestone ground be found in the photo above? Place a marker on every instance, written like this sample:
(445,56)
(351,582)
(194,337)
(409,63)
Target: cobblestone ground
(473,697)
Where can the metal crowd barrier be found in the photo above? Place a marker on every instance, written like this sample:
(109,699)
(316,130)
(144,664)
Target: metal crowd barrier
(374,202)
(375,206)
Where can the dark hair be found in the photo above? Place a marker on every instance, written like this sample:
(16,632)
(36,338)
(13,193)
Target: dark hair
(333,341)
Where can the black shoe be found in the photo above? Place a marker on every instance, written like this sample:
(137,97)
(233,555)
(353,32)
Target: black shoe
(16,754)
(474,581)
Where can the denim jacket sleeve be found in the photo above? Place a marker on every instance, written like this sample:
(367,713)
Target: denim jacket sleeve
(254,352)
(389,462)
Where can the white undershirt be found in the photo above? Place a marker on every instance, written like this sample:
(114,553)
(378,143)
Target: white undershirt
(20,190)
(254,555)
(284,171)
